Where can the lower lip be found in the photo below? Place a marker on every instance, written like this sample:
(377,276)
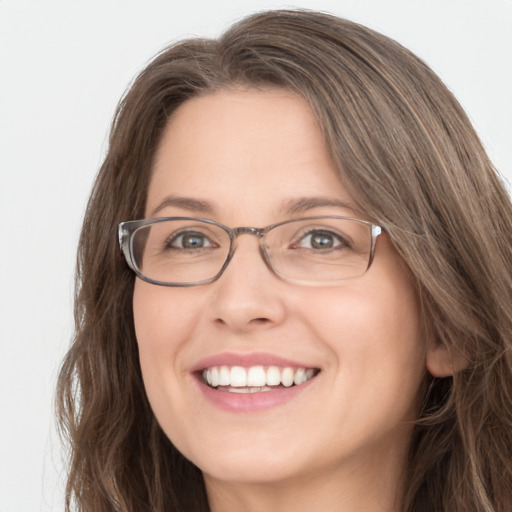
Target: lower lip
(252,402)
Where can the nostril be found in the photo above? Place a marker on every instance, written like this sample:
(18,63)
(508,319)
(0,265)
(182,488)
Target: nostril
(253,321)
(261,320)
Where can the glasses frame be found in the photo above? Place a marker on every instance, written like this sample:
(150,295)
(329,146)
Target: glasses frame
(127,229)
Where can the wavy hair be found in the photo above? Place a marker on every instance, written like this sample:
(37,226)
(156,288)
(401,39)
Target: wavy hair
(410,157)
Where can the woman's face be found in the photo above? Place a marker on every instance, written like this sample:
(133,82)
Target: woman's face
(242,158)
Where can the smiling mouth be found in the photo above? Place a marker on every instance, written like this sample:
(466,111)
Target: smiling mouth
(255,379)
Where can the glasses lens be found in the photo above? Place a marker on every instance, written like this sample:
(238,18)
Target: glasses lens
(320,250)
(180,251)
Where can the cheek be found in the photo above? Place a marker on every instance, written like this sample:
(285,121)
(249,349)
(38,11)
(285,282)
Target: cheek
(151,327)
(373,333)
(371,317)
(162,320)
(162,326)
(153,336)
(395,352)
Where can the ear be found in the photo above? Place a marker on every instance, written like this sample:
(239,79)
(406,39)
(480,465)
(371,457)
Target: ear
(441,362)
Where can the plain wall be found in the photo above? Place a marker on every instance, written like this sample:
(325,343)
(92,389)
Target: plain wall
(63,67)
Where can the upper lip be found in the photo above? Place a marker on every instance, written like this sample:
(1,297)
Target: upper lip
(247,360)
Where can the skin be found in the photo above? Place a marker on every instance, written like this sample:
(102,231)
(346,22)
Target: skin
(341,443)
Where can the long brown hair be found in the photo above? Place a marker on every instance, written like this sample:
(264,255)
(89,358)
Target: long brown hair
(407,152)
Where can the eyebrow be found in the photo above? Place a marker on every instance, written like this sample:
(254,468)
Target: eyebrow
(185,203)
(290,207)
(303,204)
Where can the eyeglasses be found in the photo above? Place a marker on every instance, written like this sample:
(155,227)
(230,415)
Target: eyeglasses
(187,251)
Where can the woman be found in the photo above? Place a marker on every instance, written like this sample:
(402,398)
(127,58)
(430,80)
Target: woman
(321,315)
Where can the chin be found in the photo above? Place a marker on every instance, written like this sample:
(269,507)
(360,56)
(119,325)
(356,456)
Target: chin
(237,471)
(253,462)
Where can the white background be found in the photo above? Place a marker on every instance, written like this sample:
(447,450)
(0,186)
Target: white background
(63,67)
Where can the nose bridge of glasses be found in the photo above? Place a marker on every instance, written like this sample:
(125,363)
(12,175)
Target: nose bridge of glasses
(247,230)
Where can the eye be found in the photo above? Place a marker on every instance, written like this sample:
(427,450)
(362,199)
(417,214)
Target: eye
(189,240)
(321,239)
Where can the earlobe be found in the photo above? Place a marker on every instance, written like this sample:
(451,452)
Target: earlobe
(441,362)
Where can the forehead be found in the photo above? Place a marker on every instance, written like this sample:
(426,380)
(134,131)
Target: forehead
(244,150)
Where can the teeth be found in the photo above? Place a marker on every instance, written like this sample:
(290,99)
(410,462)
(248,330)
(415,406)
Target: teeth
(215,376)
(299,377)
(256,378)
(287,377)
(273,376)
(249,390)
(224,378)
(238,377)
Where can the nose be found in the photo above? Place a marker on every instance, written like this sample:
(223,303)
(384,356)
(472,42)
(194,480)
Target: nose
(248,295)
